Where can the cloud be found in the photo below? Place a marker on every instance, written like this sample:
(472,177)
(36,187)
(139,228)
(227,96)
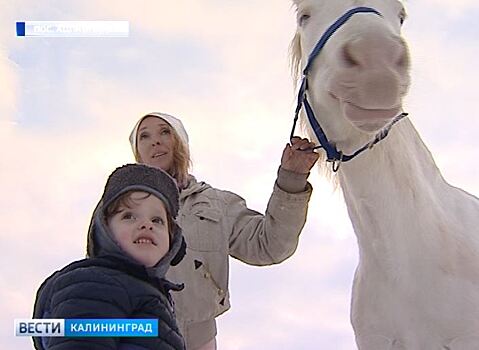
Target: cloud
(442,99)
(453,8)
(8,73)
(9,93)
(308,296)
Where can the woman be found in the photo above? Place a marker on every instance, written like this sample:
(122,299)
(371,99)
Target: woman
(217,224)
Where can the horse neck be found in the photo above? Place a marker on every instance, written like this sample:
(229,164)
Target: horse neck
(392,187)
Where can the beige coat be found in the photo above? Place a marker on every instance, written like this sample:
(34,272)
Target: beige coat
(217,224)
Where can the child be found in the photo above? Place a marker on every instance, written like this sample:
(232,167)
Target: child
(132,241)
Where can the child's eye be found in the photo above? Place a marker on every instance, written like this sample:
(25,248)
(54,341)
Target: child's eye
(127,216)
(157,220)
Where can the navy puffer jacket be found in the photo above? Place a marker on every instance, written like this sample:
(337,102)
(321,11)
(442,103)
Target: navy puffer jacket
(100,288)
(109,283)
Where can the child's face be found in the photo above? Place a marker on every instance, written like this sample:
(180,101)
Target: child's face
(142,230)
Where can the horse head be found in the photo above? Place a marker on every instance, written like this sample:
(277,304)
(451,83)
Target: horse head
(357,81)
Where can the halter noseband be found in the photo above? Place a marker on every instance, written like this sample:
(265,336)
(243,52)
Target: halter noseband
(332,153)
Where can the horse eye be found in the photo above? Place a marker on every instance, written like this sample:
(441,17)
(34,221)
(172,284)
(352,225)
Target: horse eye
(303,18)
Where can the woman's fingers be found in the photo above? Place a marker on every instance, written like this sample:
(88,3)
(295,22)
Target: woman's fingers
(302,144)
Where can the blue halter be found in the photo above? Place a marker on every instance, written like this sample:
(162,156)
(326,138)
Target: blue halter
(332,153)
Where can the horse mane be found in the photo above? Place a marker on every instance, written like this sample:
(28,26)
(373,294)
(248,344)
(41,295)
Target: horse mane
(296,73)
(295,58)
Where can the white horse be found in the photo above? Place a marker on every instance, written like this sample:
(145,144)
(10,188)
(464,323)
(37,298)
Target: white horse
(417,283)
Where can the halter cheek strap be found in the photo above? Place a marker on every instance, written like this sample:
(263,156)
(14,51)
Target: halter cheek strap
(332,153)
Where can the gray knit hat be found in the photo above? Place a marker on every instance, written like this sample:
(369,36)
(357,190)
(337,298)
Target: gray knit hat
(142,177)
(174,122)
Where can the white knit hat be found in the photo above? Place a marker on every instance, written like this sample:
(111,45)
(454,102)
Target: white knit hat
(175,123)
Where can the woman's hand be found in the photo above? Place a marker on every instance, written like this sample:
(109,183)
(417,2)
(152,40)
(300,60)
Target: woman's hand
(299,156)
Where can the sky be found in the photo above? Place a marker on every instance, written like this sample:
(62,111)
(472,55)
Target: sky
(67,106)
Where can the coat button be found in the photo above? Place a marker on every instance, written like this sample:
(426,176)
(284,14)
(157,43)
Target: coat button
(221,292)
(207,275)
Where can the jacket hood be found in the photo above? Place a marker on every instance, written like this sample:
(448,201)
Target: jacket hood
(101,243)
(136,177)
(194,186)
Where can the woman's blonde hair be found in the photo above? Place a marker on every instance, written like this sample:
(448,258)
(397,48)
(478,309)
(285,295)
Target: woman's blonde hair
(181,161)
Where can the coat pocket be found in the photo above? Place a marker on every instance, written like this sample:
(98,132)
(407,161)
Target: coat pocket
(206,234)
